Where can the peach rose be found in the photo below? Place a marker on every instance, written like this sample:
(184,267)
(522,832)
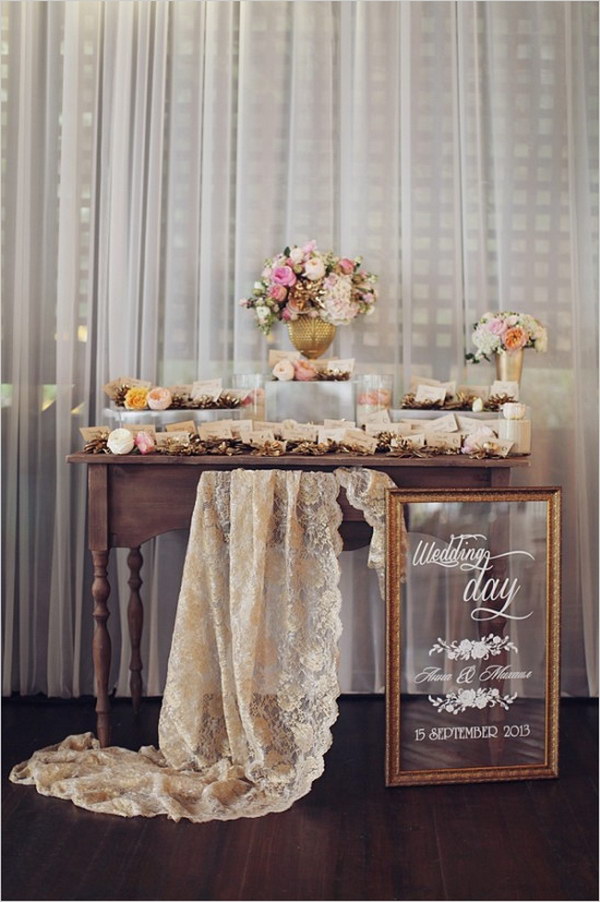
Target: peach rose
(144,443)
(304,370)
(135,399)
(159,398)
(515,338)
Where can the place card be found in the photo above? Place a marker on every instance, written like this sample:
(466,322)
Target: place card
(181,426)
(415,381)
(476,391)
(240,426)
(211,388)
(111,388)
(468,425)
(339,424)
(416,440)
(275,356)
(299,432)
(440,424)
(501,446)
(430,393)
(134,428)
(393,428)
(443,439)
(505,388)
(258,437)
(378,416)
(91,433)
(333,435)
(163,439)
(265,425)
(358,439)
(218,429)
(184,390)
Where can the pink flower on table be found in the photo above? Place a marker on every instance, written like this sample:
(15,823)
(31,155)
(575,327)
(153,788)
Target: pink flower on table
(159,398)
(304,370)
(144,443)
(346,266)
(497,326)
(284,275)
(278,292)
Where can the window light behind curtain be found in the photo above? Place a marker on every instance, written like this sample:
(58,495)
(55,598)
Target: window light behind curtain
(153,155)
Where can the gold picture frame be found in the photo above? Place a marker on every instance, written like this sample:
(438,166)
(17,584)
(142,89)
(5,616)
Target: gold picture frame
(472,635)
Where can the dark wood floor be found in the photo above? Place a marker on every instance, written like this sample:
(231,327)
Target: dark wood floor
(350,838)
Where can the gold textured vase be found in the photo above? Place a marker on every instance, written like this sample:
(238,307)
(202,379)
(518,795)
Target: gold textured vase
(311,336)
(509,366)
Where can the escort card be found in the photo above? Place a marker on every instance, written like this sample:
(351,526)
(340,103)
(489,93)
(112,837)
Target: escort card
(443,439)
(430,393)
(505,388)
(91,433)
(181,426)
(334,435)
(501,446)
(299,432)
(378,416)
(181,389)
(265,425)
(339,424)
(240,426)
(393,428)
(210,387)
(415,381)
(440,424)
(468,425)
(417,440)
(114,385)
(134,428)
(258,437)
(477,391)
(276,356)
(356,438)
(218,429)
(164,438)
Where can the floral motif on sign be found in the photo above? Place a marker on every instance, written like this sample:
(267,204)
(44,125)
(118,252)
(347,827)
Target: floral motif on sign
(457,702)
(474,649)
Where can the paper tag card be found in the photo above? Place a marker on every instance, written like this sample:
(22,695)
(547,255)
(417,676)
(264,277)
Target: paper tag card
(299,432)
(216,430)
(164,438)
(276,356)
(360,440)
(258,437)
(240,426)
(393,428)
(416,440)
(210,387)
(450,388)
(430,393)
(265,425)
(443,439)
(91,433)
(476,391)
(440,424)
(339,424)
(181,426)
(378,416)
(184,390)
(333,435)
(134,428)
(505,388)
(501,446)
(415,381)
(113,386)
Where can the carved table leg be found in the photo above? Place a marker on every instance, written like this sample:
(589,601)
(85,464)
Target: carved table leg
(135,617)
(101,645)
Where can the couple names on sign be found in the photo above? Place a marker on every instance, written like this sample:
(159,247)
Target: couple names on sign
(466,552)
(472,635)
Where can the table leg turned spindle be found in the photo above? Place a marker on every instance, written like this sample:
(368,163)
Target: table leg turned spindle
(101,645)
(135,617)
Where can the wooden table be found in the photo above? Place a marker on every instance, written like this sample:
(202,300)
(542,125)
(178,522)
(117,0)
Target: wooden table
(132,499)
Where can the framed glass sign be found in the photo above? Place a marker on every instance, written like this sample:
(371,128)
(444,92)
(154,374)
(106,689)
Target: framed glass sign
(473,591)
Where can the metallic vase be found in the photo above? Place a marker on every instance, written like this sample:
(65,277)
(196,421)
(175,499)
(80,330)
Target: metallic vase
(310,336)
(509,366)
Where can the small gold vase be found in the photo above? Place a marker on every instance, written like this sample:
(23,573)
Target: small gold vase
(509,366)
(311,336)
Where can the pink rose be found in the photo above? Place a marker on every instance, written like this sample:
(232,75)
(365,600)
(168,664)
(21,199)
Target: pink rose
(309,248)
(346,266)
(278,292)
(159,398)
(284,275)
(497,326)
(304,370)
(144,442)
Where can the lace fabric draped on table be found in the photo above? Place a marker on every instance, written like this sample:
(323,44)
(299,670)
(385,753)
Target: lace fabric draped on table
(252,681)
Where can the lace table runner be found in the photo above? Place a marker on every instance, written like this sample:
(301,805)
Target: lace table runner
(252,680)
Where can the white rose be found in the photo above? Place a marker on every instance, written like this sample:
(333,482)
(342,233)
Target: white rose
(120,441)
(296,255)
(284,370)
(477,405)
(314,269)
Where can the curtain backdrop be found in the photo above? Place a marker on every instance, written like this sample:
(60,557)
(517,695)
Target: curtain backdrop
(154,154)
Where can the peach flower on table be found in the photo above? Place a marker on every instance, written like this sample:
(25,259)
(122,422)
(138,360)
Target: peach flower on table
(304,371)
(159,398)
(515,338)
(136,399)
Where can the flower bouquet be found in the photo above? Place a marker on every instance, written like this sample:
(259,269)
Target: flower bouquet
(303,284)
(502,333)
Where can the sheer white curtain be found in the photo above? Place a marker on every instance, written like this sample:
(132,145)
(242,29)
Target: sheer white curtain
(155,153)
